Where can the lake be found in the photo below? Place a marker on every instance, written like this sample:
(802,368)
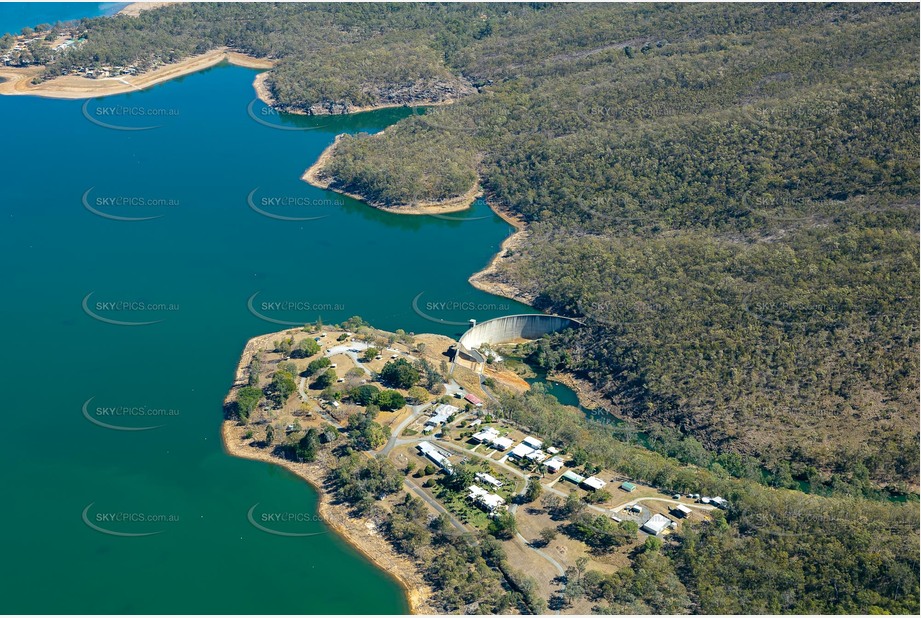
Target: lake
(146,237)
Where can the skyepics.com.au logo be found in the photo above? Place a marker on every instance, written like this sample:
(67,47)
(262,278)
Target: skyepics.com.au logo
(115,311)
(292,207)
(622,209)
(281,311)
(126,523)
(126,418)
(118,207)
(595,107)
(272,118)
(783,117)
(792,208)
(819,312)
(813,521)
(127,117)
(621,311)
(433,310)
(296,524)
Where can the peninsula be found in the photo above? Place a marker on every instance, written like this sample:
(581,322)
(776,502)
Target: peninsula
(418,456)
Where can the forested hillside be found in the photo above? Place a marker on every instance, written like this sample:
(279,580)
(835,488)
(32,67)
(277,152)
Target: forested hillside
(726,193)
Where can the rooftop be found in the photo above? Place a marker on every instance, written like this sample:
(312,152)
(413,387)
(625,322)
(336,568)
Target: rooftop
(656,524)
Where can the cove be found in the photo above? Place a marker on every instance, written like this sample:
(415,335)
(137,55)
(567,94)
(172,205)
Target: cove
(155,226)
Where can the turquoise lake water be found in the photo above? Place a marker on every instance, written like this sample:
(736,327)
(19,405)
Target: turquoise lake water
(192,270)
(14,16)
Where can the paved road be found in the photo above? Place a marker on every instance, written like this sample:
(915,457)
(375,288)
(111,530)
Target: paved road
(396,431)
(346,348)
(435,504)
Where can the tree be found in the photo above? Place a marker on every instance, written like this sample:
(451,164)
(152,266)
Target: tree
(269,435)
(418,395)
(573,505)
(370,354)
(364,395)
(548,535)
(317,364)
(533,490)
(462,477)
(503,526)
(282,386)
(305,348)
(399,374)
(308,446)
(247,399)
(325,379)
(390,400)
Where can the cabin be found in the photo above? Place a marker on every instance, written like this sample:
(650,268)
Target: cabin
(473,399)
(533,443)
(489,479)
(537,456)
(628,487)
(486,435)
(681,511)
(489,502)
(521,451)
(435,455)
(572,477)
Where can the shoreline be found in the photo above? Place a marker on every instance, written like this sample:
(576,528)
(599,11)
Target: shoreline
(485,279)
(17,81)
(357,532)
(313,176)
(134,9)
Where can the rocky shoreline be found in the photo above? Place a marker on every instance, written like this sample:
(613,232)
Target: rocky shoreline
(315,176)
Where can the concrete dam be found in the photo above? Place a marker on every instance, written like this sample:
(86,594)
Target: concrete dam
(510,328)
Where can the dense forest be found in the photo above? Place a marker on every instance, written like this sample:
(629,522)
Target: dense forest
(727,194)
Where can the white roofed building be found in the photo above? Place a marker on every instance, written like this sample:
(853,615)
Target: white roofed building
(502,443)
(594,483)
(554,464)
(521,451)
(488,478)
(537,456)
(533,443)
(656,524)
(486,435)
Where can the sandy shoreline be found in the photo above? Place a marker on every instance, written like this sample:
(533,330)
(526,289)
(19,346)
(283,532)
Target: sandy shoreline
(357,532)
(314,176)
(488,279)
(134,9)
(354,531)
(18,80)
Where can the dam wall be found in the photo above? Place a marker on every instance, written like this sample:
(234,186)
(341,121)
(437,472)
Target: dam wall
(511,328)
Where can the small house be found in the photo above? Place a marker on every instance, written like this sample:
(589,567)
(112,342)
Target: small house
(473,399)
(521,451)
(628,487)
(489,479)
(533,443)
(681,511)
(572,477)
(594,483)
